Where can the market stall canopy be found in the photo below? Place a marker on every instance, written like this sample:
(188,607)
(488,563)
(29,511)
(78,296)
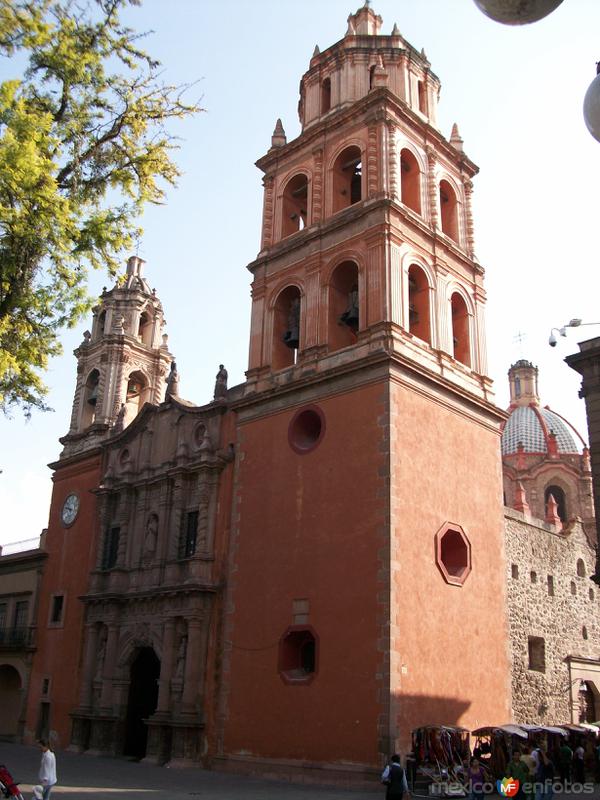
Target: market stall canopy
(511,730)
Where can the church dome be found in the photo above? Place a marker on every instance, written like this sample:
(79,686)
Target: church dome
(539,430)
(532,426)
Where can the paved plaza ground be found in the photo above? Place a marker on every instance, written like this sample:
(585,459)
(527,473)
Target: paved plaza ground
(94,778)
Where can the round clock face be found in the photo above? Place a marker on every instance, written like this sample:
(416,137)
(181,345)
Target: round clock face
(69,509)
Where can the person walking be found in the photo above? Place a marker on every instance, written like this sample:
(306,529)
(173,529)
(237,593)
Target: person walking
(47,774)
(394,778)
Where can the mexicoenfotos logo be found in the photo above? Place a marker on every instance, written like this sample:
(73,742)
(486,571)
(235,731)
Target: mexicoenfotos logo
(507,787)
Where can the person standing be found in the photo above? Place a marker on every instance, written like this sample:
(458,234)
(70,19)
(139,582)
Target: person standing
(565,762)
(476,777)
(47,774)
(578,763)
(394,778)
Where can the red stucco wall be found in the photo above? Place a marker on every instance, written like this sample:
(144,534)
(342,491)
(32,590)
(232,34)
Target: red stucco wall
(71,557)
(451,641)
(309,528)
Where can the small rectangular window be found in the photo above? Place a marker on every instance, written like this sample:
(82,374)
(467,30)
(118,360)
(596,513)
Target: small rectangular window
(111,548)
(537,653)
(56,610)
(45,687)
(515,571)
(187,542)
(550,585)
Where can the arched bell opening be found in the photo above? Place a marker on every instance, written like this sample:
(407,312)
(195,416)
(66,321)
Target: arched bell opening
(141,701)
(343,309)
(347,179)
(286,328)
(100,325)
(410,181)
(90,399)
(144,331)
(561,501)
(460,330)
(419,319)
(294,216)
(137,394)
(449,210)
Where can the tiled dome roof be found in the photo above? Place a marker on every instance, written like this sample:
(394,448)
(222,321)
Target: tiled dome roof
(526,425)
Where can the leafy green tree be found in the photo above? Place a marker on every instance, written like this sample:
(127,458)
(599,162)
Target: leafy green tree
(84,146)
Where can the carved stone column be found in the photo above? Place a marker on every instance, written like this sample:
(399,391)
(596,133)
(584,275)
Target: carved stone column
(267,231)
(470,230)
(317,188)
(91,653)
(372,165)
(166,667)
(193,666)
(110,658)
(432,188)
(392,160)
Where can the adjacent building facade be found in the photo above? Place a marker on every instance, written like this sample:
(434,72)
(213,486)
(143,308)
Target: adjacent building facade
(288,578)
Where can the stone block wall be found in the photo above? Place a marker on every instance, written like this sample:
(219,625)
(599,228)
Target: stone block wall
(548,599)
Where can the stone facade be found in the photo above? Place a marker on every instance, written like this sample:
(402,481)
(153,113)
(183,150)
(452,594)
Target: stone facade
(551,597)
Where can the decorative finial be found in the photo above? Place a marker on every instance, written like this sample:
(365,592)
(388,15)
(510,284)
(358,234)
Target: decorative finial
(424,55)
(316,51)
(278,139)
(455,138)
(395,30)
(351,30)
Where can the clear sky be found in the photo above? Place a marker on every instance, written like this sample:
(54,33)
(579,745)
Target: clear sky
(516,94)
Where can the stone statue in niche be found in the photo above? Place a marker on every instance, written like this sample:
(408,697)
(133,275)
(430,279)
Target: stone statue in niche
(151,536)
(221,383)
(172,382)
(291,337)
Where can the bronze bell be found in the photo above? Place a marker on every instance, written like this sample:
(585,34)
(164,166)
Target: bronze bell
(93,395)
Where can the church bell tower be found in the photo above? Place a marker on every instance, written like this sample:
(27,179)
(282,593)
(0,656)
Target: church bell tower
(368,523)
(121,364)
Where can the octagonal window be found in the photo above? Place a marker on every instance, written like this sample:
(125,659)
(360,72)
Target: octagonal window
(453,553)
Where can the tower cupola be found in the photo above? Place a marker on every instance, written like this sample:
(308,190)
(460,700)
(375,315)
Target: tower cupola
(348,70)
(523,380)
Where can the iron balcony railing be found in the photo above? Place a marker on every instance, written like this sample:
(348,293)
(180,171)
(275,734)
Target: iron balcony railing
(16,637)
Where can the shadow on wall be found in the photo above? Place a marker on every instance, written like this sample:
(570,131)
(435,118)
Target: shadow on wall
(415,711)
